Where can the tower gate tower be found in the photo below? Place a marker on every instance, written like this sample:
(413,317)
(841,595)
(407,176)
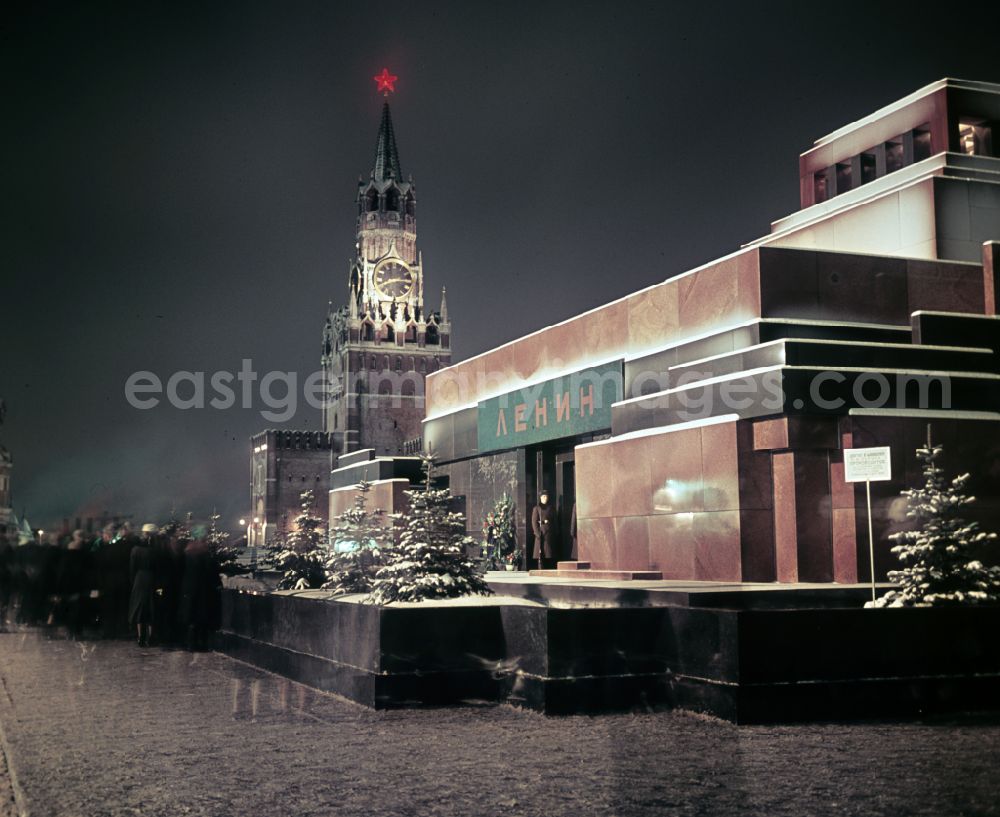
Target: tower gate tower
(379,347)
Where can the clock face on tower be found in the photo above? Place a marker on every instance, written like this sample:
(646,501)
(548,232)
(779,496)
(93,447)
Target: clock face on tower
(393,279)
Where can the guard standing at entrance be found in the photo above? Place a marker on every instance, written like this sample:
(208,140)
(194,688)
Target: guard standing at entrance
(543,523)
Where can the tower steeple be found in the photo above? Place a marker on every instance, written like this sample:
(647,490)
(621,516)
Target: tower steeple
(386,154)
(383,342)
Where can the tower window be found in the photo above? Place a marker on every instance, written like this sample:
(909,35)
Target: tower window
(975,137)
(843,177)
(869,168)
(893,154)
(921,143)
(368,332)
(371,364)
(411,205)
(371,201)
(820,188)
(392,200)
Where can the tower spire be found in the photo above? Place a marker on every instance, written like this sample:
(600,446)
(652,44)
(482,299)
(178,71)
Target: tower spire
(386,155)
(444,305)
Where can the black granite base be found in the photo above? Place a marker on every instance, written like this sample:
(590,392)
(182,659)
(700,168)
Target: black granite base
(744,665)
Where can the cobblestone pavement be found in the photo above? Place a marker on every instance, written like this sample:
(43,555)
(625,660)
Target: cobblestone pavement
(106,728)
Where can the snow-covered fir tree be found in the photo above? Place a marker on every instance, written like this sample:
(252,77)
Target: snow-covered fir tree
(303,556)
(429,561)
(357,542)
(939,567)
(500,537)
(177,528)
(225,554)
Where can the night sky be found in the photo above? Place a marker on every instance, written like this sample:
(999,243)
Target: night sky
(179,188)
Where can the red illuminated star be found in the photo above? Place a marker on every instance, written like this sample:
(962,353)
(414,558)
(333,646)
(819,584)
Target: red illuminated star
(386,81)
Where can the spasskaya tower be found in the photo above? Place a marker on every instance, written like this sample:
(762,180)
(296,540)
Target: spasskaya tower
(379,347)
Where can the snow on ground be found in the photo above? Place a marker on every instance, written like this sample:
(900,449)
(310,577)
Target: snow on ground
(107,729)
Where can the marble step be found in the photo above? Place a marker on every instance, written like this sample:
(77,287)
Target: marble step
(599,575)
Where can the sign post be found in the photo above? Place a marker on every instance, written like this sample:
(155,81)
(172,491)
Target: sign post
(868,465)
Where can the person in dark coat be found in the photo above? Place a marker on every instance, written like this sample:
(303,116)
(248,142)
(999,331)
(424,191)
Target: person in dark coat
(170,572)
(121,578)
(199,602)
(545,527)
(31,560)
(103,553)
(142,570)
(71,584)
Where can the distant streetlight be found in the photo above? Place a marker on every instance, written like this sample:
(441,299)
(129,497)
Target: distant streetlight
(242,521)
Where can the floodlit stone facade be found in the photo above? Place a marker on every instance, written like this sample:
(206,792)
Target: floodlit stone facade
(861,320)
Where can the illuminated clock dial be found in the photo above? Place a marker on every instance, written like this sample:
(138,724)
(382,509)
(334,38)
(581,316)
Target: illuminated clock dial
(393,279)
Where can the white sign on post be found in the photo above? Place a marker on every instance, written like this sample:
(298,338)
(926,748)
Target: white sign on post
(868,465)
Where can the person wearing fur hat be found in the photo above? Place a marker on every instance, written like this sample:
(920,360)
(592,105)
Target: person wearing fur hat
(543,525)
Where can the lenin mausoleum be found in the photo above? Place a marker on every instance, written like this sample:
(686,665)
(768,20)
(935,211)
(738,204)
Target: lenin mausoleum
(695,429)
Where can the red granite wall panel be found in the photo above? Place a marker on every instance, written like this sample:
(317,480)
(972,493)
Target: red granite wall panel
(675,463)
(672,545)
(945,287)
(770,434)
(845,546)
(596,541)
(652,316)
(672,501)
(631,543)
(629,478)
(717,546)
(785,514)
(593,497)
(720,469)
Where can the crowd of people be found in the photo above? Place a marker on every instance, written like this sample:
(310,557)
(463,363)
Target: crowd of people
(157,587)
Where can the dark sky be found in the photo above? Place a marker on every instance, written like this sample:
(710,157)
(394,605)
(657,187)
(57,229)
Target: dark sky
(179,182)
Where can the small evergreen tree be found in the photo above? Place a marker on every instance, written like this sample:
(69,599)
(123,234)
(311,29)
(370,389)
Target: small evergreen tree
(938,568)
(498,531)
(304,555)
(429,562)
(225,554)
(357,543)
(174,527)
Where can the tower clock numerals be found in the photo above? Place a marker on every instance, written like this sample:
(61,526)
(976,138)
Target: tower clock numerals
(393,279)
